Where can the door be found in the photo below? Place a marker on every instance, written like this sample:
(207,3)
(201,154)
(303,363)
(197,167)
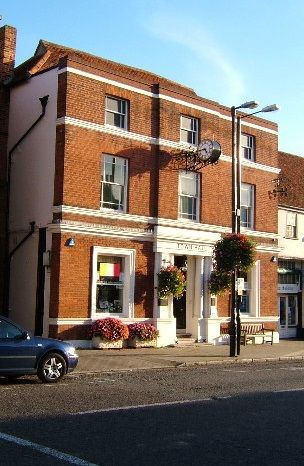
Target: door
(288,310)
(16,351)
(179,305)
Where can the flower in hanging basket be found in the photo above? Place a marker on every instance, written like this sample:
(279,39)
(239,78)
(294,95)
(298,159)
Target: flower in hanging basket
(219,282)
(234,251)
(109,329)
(171,281)
(143,331)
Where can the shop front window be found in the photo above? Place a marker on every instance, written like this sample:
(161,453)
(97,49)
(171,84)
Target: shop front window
(110,283)
(244,299)
(113,281)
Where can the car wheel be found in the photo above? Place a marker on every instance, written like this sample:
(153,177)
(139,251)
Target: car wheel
(52,368)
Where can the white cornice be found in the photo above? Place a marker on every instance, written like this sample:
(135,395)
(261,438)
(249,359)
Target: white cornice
(83,227)
(102,213)
(151,141)
(69,321)
(138,90)
(299,210)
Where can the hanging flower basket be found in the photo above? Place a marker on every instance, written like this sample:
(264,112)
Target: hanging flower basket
(219,282)
(171,281)
(234,251)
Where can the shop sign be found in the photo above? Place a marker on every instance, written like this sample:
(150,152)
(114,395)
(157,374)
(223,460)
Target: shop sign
(191,247)
(288,288)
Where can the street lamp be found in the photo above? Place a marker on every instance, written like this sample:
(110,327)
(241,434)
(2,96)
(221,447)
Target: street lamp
(235,321)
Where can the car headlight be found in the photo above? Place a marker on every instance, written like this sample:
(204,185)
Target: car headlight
(72,351)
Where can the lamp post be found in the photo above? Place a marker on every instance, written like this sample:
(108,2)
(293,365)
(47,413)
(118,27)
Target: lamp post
(235,321)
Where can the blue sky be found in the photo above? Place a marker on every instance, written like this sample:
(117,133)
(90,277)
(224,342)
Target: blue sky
(229,51)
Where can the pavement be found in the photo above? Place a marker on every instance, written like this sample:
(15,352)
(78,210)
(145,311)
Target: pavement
(105,360)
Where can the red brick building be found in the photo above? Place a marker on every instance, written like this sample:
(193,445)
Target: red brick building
(97,177)
(291,256)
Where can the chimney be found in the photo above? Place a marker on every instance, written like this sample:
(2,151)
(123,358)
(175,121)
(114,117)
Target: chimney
(8,36)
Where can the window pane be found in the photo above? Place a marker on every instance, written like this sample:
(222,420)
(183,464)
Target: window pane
(189,130)
(186,123)
(245,196)
(188,195)
(247,146)
(116,110)
(244,303)
(8,330)
(114,182)
(113,104)
(109,299)
(112,196)
(247,205)
(110,118)
(292,318)
(115,171)
(188,207)
(282,311)
(119,120)
(245,217)
(186,136)
(189,185)
(110,283)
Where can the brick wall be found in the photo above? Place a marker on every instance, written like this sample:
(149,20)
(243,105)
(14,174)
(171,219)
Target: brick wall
(71,270)
(292,171)
(7,62)
(152,186)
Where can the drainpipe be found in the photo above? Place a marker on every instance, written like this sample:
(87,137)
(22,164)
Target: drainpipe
(8,253)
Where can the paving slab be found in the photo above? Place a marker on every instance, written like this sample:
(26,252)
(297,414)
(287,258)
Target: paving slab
(92,360)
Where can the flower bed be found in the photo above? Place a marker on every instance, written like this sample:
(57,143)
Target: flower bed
(142,334)
(108,331)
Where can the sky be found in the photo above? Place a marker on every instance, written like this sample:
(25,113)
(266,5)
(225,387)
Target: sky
(229,51)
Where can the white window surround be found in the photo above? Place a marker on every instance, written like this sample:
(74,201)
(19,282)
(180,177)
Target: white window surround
(291,225)
(129,279)
(116,112)
(252,288)
(120,182)
(189,130)
(255,291)
(248,147)
(190,189)
(247,206)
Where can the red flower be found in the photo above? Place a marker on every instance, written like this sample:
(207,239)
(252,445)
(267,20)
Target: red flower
(109,328)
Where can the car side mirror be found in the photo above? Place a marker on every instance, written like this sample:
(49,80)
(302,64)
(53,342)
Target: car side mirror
(24,335)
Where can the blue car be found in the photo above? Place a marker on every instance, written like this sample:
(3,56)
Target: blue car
(23,354)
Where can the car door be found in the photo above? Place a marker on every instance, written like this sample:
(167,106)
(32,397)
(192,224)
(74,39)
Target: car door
(16,350)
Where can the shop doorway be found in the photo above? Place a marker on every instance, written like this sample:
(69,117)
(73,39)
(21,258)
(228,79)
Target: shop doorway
(288,312)
(179,305)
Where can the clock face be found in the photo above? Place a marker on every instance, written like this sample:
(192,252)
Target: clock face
(205,149)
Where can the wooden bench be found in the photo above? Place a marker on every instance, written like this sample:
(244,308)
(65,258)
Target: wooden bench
(251,332)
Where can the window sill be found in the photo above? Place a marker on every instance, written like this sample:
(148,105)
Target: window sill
(119,128)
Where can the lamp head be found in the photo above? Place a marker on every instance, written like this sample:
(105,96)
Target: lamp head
(271,108)
(250,104)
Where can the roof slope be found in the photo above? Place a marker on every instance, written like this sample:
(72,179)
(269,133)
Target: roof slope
(48,55)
